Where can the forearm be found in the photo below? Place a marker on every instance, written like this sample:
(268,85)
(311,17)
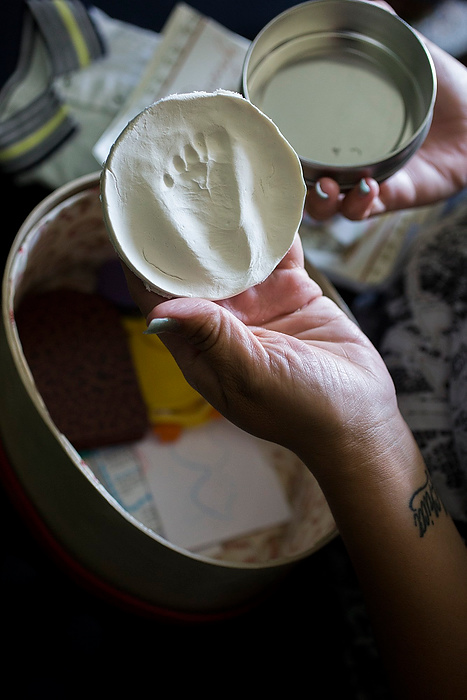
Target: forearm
(313,383)
(410,560)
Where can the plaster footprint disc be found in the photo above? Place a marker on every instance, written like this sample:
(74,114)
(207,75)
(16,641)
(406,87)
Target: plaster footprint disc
(202,195)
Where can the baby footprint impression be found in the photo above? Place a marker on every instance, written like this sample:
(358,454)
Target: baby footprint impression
(201,195)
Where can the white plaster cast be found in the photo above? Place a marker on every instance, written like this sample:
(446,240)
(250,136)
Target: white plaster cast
(202,195)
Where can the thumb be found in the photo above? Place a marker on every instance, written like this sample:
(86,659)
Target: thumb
(214,350)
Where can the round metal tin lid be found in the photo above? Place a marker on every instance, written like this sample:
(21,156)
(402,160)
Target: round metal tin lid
(349,84)
(311,95)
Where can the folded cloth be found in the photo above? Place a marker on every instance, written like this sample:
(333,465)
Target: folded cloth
(85,97)
(58,36)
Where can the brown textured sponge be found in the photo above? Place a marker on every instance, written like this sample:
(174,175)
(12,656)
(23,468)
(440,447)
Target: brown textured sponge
(78,353)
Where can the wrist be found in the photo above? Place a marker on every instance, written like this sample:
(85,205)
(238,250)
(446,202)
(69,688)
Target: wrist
(357,459)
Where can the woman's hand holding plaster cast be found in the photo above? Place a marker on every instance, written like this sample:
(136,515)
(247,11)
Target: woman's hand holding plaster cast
(286,364)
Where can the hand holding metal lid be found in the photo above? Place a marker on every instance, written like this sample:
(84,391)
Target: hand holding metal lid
(437,171)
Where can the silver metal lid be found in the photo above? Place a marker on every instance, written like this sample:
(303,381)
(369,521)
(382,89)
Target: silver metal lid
(349,84)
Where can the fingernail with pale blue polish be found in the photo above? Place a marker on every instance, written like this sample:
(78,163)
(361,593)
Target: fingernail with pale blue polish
(364,187)
(162,325)
(320,192)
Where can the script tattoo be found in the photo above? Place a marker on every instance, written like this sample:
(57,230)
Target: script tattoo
(425,505)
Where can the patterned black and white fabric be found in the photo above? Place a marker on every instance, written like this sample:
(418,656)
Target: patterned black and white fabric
(419,324)
(425,349)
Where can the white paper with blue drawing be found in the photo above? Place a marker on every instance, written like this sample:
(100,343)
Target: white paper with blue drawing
(213,484)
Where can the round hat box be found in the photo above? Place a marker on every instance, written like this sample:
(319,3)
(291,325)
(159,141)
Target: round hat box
(62,244)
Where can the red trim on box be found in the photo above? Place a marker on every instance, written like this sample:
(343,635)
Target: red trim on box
(88,580)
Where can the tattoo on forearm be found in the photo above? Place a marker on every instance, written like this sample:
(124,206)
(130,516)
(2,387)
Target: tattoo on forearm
(425,505)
